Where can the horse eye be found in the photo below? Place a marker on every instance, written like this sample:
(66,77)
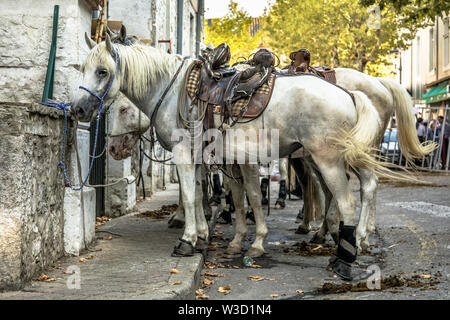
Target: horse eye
(102,73)
(123,110)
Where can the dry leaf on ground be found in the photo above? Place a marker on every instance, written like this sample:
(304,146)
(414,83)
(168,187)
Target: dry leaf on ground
(174,271)
(273,295)
(255,278)
(90,257)
(299,291)
(176,283)
(208,282)
(109,238)
(226,289)
(200,295)
(426,276)
(213,274)
(45,278)
(82,259)
(255,266)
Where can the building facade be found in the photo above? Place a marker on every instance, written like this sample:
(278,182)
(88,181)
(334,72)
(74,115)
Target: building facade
(41,218)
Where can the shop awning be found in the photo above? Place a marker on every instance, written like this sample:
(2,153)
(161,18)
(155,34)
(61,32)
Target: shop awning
(436,93)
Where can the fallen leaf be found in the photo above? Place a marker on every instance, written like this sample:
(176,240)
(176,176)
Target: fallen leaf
(176,283)
(208,282)
(255,266)
(109,238)
(273,295)
(235,267)
(82,259)
(299,291)
(213,274)
(270,279)
(255,278)
(226,289)
(90,257)
(45,278)
(283,294)
(426,276)
(174,271)
(200,295)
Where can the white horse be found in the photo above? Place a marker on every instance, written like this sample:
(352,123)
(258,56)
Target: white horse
(307,111)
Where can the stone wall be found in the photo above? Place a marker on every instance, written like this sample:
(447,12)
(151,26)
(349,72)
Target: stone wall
(31,185)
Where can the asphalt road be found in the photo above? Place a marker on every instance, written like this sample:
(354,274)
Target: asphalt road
(411,250)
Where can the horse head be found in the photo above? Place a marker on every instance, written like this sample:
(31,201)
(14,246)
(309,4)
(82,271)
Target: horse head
(128,123)
(100,79)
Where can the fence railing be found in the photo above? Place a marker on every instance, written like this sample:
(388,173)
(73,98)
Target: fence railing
(435,132)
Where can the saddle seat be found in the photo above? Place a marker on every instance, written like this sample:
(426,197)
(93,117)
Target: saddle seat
(301,64)
(230,91)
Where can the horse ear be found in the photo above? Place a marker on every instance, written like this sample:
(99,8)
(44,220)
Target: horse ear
(90,43)
(109,45)
(123,33)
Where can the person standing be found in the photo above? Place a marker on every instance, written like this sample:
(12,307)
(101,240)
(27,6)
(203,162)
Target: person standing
(444,132)
(421,130)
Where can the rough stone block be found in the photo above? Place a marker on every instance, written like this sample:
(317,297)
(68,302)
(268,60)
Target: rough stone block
(74,236)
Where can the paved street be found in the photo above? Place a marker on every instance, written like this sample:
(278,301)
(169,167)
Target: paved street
(411,248)
(412,244)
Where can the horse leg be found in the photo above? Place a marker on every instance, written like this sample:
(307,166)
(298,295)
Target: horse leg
(200,218)
(176,219)
(250,173)
(368,191)
(240,226)
(188,186)
(283,167)
(333,173)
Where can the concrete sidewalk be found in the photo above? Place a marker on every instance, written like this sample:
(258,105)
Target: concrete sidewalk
(135,265)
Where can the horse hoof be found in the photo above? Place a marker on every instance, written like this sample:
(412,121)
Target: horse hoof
(318,239)
(280,204)
(255,252)
(302,230)
(183,249)
(201,245)
(233,250)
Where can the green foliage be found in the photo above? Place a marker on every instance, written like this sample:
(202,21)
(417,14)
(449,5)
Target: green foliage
(338,33)
(234,29)
(415,13)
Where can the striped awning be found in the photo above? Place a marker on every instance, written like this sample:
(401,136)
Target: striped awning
(436,93)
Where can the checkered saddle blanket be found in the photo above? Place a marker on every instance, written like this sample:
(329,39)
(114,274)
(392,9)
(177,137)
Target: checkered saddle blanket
(248,107)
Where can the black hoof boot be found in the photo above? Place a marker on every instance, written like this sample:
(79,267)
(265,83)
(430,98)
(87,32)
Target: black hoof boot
(346,252)
(281,203)
(217,188)
(224,217)
(250,216)
(201,245)
(184,248)
(264,187)
(300,215)
(229,201)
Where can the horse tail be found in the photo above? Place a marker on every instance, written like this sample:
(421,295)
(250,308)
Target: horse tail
(407,136)
(357,144)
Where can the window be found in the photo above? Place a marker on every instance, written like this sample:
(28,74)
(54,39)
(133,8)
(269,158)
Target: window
(446,42)
(431,51)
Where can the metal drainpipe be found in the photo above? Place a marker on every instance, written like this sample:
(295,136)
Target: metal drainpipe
(49,77)
(180,4)
(198,26)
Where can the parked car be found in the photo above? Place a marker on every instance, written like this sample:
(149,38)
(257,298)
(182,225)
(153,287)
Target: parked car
(389,147)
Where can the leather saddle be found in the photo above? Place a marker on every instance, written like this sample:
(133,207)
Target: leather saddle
(222,85)
(301,64)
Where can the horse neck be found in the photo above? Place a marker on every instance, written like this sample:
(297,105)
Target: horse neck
(168,105)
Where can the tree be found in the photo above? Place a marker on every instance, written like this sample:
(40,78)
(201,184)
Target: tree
(234,29)
(338,33)
(416,13)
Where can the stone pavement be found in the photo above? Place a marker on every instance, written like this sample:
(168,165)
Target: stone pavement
(134,264)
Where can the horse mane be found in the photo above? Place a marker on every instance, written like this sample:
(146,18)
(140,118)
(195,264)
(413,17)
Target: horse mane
(141,66)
